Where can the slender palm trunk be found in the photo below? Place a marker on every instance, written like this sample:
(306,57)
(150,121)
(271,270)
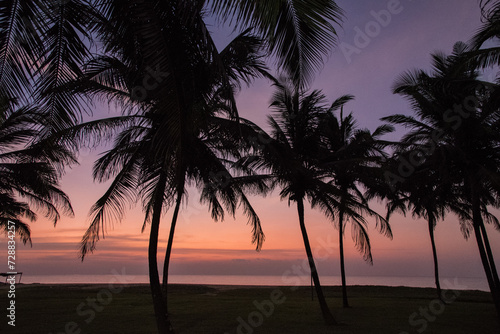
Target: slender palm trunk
(327,315)
(434,256)
(160,309)
(345,302)
(166,262)
(485,259)
(494,271)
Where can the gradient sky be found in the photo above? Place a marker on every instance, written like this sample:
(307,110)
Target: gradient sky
(202,246)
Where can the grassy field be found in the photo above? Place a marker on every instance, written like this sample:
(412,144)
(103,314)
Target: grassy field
(78,309)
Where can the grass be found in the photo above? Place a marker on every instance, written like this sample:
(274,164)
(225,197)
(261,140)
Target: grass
(78,309)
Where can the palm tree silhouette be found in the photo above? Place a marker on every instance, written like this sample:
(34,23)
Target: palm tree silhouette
(353,157)
(457,119)
(290,159)
(153,160)
(427,193)
(29,170)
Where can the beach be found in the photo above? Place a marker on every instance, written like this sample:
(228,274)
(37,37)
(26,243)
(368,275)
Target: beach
(114,308)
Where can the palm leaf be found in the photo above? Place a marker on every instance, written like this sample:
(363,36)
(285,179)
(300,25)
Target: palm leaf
(20,45)
(299,33)
(66,53)
(22,230)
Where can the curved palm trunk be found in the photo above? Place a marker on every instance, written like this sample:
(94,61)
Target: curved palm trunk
(166,262)
(345,302)
(494,271)
(327,315)
(434,256)
(159,305)
(485,258)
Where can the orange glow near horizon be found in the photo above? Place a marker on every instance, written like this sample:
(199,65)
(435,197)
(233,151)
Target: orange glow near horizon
(202,246)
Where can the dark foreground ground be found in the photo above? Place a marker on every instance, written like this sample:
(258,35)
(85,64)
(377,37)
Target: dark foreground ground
(78,309)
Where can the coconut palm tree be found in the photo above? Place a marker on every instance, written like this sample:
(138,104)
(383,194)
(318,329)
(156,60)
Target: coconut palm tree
(353,157)
(290,159)
(139,172)
(29,171)
(153,160)
(414,192)
(43,43)
(456,117)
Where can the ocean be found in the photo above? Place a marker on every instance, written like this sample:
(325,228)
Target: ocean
(418,282)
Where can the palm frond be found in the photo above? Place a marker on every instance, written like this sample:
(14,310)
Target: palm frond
(299,33)
(110,207)
(341,101)
(20,45)
(66,52)
(258,236)
(21,230)
(362,241)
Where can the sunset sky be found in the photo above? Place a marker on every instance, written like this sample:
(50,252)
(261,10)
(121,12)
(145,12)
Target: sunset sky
(202,246)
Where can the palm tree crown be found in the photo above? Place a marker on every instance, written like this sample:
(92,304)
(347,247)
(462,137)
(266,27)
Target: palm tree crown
(29,170)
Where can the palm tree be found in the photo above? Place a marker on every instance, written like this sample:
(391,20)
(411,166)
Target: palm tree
(28,171)
(290,159)
(153,160)
(353,157)
(455,117)
(413,193)
(138,172)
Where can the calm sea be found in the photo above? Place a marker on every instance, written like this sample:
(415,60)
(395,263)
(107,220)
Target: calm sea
(419,282)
